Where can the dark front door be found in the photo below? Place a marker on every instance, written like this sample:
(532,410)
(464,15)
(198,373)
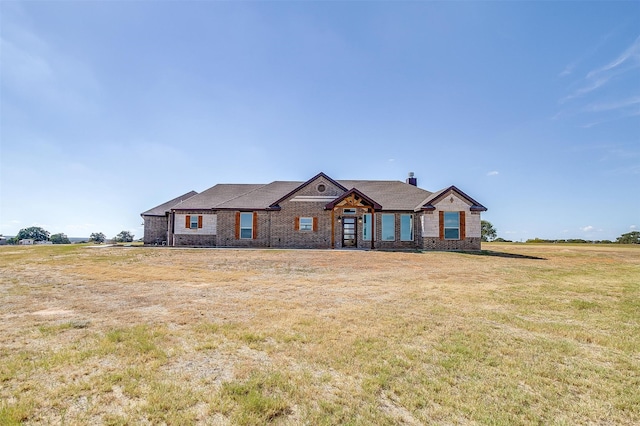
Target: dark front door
(349,232)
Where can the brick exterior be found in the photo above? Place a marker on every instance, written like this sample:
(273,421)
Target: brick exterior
(430,221)
(195,240)
(469,243)
(284,233)
(277,227)
(155,230)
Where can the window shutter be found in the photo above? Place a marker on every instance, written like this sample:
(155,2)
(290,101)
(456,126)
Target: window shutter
(296,224)
(255,225)
(315,224)
(199,221)
(237,225)
(441,224)
(187,223)
(463,226)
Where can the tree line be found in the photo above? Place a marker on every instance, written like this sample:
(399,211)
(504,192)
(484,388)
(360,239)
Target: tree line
(489,233)
(38,234)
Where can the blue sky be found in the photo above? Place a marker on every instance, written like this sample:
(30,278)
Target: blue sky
(111,108)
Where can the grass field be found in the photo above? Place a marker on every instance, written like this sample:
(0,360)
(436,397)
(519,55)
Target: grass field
(518,334)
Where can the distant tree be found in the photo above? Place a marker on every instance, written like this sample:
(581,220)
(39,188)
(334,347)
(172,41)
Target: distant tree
(629,238)
(501,240)
(98,237)
(488,232)
(60,239)
(35,232)
(124,237)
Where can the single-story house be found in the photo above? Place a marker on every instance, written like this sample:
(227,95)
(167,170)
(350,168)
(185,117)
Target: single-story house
(319,213)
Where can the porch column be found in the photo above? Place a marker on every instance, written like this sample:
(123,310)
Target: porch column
(373,227)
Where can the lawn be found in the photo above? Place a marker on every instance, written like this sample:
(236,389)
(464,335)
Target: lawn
(516,334)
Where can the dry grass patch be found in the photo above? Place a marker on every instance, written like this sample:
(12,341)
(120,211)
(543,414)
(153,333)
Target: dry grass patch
(520,334)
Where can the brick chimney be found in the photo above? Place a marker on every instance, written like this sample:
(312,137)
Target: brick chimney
(411,180)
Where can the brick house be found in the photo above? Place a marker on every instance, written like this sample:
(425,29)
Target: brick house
(319,213)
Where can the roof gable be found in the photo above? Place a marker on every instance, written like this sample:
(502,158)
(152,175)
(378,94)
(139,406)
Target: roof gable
(320,176)
(437,197)
(353,198)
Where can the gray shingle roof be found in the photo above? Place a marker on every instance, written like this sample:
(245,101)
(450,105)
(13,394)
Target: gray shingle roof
(163,208)
(216,195)
(391,195)
(262,197)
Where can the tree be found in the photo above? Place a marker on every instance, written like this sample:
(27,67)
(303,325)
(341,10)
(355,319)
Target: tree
(124,237)
(488,232)
(35,232)
(501,240)
(60,239)
(97,237)
(629,238)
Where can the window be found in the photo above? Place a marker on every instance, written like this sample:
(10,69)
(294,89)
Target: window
(388,227)
(451,225)
(406,227)
(349,211)
(366,227)
(193,223)
(246,225)
(306,224)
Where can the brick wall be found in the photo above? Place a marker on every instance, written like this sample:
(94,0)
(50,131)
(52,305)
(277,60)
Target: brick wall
(433,243)
(430,226)
(284,232)
(277,228)
(337,230)
(432,220)
(195,240)
(397,244)
(226,233)
(155,229)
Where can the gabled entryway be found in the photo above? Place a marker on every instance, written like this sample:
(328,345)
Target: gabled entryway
(350,212)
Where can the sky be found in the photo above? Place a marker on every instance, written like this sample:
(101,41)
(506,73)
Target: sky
(110,108)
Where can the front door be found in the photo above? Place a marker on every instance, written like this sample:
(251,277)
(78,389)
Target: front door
(349,232)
